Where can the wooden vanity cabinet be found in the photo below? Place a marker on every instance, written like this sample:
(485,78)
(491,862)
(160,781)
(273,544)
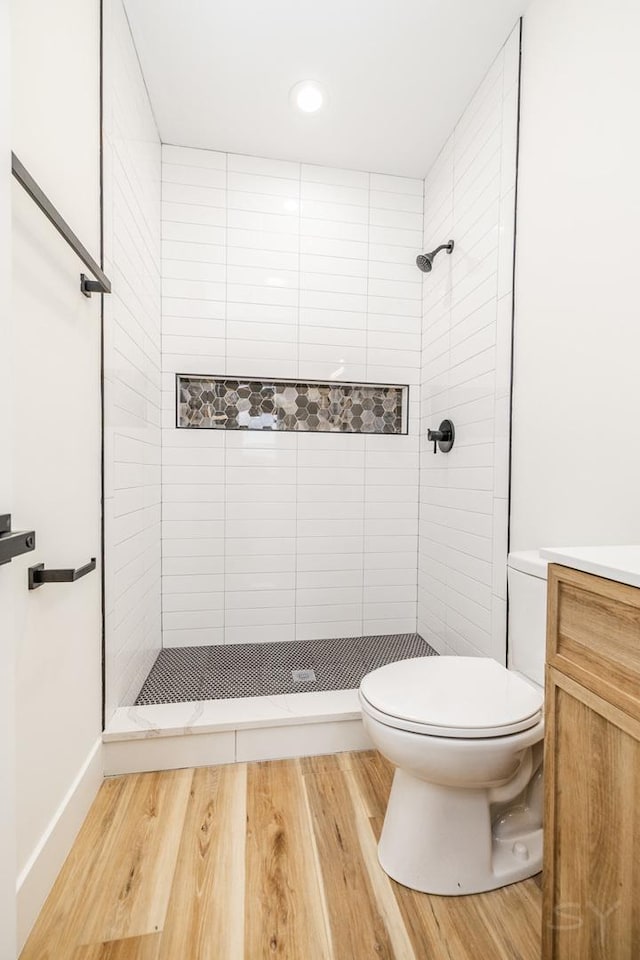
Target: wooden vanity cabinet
(591,903)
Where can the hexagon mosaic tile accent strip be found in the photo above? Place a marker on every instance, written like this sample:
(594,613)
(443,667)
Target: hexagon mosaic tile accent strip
(266,669)
(228,403)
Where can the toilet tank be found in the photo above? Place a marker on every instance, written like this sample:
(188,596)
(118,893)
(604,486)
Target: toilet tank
(527,583)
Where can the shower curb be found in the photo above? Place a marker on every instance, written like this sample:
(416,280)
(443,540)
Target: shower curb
(209,732)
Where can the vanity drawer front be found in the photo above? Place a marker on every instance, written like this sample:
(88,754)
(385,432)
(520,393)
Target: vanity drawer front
(593,634)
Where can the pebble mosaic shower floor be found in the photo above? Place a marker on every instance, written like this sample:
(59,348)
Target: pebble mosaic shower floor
(267,669)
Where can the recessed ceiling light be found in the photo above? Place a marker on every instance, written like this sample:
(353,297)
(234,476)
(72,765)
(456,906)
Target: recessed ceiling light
(307,96)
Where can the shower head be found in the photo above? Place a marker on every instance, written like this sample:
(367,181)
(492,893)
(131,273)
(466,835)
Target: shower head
(424,261)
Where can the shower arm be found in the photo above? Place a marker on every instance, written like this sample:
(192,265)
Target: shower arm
(443,246)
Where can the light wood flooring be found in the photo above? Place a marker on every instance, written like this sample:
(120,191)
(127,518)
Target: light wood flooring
(261,860)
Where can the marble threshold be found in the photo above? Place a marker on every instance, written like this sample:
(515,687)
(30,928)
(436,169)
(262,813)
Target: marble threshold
(169,736)
(241,713)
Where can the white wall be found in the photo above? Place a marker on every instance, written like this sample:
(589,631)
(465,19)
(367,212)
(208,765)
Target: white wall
(576,456)
(8,575)
(132,388)
(277,269)
(466,362)
(56,436)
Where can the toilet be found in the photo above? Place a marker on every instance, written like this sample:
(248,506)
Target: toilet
(466,737)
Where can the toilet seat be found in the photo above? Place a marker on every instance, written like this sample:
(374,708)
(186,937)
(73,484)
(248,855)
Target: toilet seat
(458,697)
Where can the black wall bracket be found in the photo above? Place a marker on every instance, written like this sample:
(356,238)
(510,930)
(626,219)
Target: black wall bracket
(90,286)
(13,543)
(38,575)
(443,438)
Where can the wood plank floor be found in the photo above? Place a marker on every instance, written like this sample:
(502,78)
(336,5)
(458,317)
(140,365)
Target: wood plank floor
(261,860)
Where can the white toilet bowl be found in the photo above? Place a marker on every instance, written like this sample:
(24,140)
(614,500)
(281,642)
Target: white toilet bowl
(465,810)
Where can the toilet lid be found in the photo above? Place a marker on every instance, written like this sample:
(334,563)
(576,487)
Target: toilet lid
(451,697)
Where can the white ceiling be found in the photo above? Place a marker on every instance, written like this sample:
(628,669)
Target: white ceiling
(398,74)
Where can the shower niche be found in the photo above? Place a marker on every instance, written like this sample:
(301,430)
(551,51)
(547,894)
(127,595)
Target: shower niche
(234,403)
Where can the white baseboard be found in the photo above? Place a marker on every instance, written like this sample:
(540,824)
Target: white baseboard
(38,876)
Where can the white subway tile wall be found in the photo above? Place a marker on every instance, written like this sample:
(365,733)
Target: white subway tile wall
(132,368)
(286,270)
(466,371)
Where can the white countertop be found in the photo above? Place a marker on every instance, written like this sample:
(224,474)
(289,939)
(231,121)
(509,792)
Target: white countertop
(614,563)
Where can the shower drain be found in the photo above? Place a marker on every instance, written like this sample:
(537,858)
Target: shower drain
(300,676)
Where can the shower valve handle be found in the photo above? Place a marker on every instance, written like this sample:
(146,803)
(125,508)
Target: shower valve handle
(443,437)
(435,435)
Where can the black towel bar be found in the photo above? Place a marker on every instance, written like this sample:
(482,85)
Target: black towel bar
(38,575)
(101,284)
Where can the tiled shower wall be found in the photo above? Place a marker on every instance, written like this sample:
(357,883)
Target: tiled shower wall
(132,387)
(466,351)
(277,269)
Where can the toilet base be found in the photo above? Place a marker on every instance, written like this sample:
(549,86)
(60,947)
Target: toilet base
(440,840)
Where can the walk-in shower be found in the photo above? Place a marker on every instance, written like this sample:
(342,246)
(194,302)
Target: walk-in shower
(276,525)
